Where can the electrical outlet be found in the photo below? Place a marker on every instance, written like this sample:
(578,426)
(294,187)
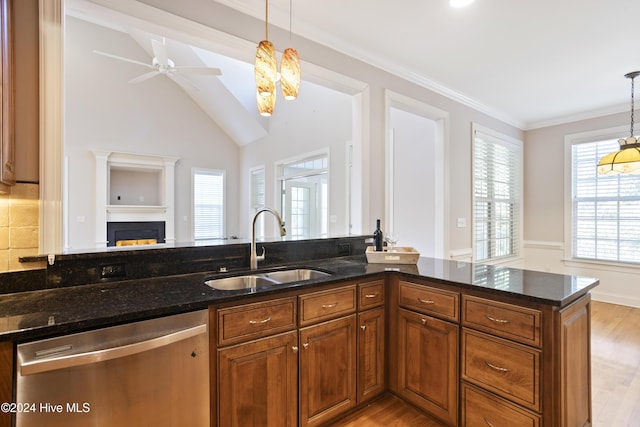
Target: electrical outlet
(111,271)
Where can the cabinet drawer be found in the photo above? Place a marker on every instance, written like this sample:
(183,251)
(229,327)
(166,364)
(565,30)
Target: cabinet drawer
(506,320)
(250,321)
(480,408)
(370,294)
(506,368)
(326,305)
(426,299)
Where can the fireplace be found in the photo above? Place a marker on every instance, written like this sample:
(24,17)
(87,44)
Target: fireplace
(135,233)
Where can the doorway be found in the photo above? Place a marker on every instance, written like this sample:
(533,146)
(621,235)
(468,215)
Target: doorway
(416,179)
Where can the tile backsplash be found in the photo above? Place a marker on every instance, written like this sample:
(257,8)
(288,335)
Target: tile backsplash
(19,227)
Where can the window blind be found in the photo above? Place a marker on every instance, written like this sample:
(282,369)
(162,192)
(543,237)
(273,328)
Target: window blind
(605,209)
(497,165)
(208,204)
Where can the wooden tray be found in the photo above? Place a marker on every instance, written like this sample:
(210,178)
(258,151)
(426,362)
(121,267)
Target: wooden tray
(399,255)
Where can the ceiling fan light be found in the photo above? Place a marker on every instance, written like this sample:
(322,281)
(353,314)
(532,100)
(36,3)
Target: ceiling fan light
(266,103)
(460,3)
(290,74)
(266,68)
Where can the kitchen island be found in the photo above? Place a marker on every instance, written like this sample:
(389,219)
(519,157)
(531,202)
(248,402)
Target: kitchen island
(456,339)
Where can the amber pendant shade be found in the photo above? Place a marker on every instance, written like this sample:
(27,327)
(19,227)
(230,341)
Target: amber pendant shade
(266,103)
(266,68)
(290,73)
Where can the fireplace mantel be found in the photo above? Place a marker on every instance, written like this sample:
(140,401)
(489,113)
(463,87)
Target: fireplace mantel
(108,162)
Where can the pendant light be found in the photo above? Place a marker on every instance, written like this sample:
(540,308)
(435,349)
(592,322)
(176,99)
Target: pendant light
(266,70)
(627,159)
(290,68)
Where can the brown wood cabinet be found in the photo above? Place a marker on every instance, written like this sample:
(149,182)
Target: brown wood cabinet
(423,346)
(328,355)
(428,364)
(528,363)
(255,375)
(258,382)
(371,380)
(6,379)
(7,112)
(327,370)
(465,356)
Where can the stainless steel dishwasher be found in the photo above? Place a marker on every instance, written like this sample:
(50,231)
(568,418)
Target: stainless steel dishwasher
(150,373)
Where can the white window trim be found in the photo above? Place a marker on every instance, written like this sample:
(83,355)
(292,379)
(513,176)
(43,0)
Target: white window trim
(569,141)
(475,127)
(222,172)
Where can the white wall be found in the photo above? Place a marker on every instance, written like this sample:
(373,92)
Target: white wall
(414,206)
(544,204)
(103,111)
(319,119)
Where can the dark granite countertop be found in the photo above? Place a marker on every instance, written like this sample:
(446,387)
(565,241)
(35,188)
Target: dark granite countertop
(44,313)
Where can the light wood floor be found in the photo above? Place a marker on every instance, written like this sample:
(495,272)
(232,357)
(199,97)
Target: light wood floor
(615,372)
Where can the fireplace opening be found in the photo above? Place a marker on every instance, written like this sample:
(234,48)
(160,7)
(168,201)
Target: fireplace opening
(135,233)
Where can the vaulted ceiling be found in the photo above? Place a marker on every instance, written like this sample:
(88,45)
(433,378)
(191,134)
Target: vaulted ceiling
(530,63)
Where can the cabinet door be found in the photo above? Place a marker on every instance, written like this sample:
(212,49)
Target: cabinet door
(428,364)
(327,370)
(7,142)
(258,383)
(371,360)
(6,379)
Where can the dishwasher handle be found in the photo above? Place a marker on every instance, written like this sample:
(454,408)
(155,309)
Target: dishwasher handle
(71,360)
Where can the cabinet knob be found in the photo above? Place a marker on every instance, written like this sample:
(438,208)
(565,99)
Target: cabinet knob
(305,345)
(424,321)
(363,327)
(294,348)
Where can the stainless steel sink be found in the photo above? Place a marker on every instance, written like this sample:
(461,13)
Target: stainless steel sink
(297,275)
(239,282)
(260,280)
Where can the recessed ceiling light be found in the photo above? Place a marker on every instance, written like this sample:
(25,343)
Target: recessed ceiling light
(460,3)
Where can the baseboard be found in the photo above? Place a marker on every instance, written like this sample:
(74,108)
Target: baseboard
(615,299)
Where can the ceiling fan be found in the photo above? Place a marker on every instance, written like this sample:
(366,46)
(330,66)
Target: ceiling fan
(162,64)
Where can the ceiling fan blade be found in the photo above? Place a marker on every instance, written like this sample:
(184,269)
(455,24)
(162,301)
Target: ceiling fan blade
(160,52)
(121,58)
(198,70)
(143,77)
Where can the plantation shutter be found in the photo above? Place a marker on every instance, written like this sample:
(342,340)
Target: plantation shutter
(497,177)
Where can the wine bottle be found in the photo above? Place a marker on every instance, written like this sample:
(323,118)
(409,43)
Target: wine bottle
(377,237)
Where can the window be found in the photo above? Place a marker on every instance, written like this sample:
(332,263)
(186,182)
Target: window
(497,180)
(208,204)
(605,209)
(258,197)
(304,195)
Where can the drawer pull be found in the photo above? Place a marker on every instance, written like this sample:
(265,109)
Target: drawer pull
(260,322)
(328,306)
(493,319)
(487,422)
(371,295)
(497,368)
(425,301)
